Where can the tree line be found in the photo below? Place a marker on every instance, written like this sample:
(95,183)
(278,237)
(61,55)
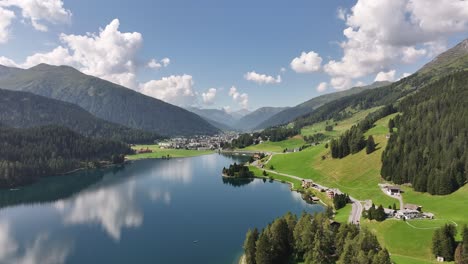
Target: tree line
(430,147)
(312,239)
(444,244)
(272,134)
(238,170)
(352,141)
(28,154)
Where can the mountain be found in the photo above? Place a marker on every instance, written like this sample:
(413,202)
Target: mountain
(240,113)
(292,113)
(25,110)
(453,60)
(448,60)
(255,118)
(105,100)
(217,117)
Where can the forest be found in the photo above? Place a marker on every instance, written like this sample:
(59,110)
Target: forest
(28,154)
(238,170)
(352,141)
(430,147)
(444,244)
(273,134)
(312,239)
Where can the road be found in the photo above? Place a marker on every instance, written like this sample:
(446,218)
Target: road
(356,210)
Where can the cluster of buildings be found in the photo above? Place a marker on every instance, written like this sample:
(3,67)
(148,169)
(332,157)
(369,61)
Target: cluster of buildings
(310,184)
(199,142)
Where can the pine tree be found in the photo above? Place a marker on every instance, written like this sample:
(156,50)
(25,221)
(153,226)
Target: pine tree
(263,253)
(370,146)
(250,246)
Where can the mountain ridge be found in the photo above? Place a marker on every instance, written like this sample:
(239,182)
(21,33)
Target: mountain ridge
(104,99)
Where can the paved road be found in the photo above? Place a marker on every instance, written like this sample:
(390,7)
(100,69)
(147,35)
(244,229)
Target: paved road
(356,210)
(398,197)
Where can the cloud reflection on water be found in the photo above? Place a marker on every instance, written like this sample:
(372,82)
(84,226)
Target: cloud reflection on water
(112,207)
(41,250)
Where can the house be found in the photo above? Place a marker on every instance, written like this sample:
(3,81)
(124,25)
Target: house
(393,190)
(407,214)
(389,212)
(330,194)
(412,207)
(428,215)
(307,184)
(315,199)
(440,259)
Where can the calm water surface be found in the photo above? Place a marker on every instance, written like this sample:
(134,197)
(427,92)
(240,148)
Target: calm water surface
(150,211)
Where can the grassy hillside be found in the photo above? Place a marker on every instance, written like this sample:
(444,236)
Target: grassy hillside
(106,100)
(359,174)
(292,113)
(279,146)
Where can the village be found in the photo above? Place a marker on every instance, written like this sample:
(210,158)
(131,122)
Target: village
(405,212)
(215,142)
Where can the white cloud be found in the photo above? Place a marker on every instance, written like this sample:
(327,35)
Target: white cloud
(39,11)
(209,96)
(7,62)
(110,55)
(404,75)
(165,62)
(283,69)
(175,89)
(241,99)
(322,87)
(153,64)
(411,55)
(307,62)
(341,13)
(6,16)
(261,78)
(385,76)
(341,83)
(380,34)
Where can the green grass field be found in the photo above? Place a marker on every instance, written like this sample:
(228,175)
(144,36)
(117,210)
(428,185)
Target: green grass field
(359,175)
(342,126)
(173,153)
(270,146)
(342,215)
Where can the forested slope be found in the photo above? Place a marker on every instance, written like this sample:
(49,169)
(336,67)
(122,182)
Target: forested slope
(429,150)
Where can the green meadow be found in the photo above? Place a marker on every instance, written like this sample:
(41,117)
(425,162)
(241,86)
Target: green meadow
(279,146)
(359,176)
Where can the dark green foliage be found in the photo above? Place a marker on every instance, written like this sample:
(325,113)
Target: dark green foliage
(107,100)
(391,125)
(28,154)
(375,213)
(311,239)
(461,253)
(315,138)
(352,141)
(288,115)
(430,148)
(264,173)
(25,110)
(238,170)
(340,200)
(329,128)
(250,247)
(443,242)
(273,134)
(370,145)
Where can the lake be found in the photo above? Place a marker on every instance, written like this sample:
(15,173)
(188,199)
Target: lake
(151,211)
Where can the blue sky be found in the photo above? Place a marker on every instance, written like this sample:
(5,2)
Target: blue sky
(213,45)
